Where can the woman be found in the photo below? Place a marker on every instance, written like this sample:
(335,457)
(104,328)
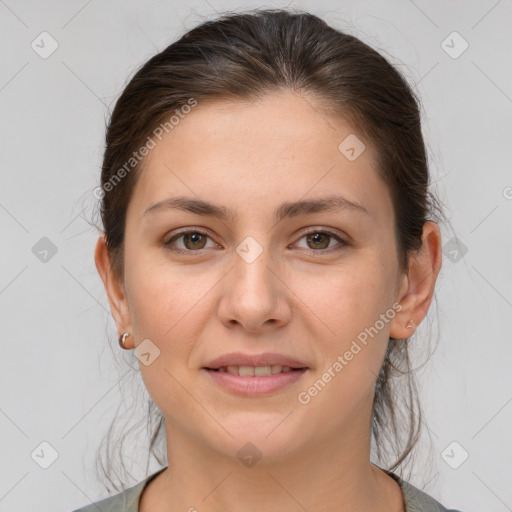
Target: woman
(269,247)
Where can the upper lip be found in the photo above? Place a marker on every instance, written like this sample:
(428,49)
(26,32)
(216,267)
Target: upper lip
(266,359)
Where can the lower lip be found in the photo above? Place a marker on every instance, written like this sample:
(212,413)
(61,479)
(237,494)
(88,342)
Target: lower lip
(255,386)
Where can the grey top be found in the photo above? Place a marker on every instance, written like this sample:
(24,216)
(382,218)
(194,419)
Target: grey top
(128,500)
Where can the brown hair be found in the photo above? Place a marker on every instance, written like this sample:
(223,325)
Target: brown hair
(245,56)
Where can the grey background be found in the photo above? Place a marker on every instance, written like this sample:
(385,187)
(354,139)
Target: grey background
(59,383)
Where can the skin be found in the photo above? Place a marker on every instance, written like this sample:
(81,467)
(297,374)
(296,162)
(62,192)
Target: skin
(293,299)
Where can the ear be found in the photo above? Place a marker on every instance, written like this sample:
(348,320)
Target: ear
(115,290)
(418,284)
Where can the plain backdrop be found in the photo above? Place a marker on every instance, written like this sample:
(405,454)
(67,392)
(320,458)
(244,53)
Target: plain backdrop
(58,380)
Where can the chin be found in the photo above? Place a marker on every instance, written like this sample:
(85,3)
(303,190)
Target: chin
(258,435)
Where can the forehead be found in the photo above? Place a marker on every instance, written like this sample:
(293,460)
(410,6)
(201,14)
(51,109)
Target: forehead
(253,155)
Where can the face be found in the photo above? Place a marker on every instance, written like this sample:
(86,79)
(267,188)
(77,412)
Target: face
(303,285)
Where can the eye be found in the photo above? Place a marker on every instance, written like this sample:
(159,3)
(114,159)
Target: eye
(320,241)
(193,240)
(196,240)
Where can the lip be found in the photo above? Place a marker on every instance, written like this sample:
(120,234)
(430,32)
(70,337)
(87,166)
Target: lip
(254,386)
(265,359)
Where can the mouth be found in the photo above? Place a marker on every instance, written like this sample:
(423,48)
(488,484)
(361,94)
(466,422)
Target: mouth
(253,375)
(254,381)
(256,371)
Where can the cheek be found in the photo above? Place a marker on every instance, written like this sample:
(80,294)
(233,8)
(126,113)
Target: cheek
(170,304)
(350,304)
(354,303)
(167,309)
(162,300)
(348,297)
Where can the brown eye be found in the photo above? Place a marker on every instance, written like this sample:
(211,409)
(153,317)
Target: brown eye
(194,240)
(321,241)
(188,241)
(318,240)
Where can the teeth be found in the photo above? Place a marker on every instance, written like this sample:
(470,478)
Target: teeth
(245,371)
(258,371)
(263,371)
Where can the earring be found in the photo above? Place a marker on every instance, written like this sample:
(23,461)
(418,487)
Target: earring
(122,339)
(409,324)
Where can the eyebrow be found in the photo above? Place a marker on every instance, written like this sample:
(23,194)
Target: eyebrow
(285,210)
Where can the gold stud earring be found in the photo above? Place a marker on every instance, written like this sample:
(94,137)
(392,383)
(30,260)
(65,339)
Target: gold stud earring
(122,339)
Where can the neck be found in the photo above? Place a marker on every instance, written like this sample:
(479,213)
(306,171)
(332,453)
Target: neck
(332,475)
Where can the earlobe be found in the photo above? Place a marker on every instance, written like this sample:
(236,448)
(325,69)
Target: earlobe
(113,287)
(424,266)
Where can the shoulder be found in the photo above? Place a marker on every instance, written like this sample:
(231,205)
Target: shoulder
(125,501)
(418,501)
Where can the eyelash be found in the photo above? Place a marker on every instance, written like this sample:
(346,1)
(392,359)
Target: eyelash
(342,243)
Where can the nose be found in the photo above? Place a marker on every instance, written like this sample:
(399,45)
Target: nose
(254,296)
